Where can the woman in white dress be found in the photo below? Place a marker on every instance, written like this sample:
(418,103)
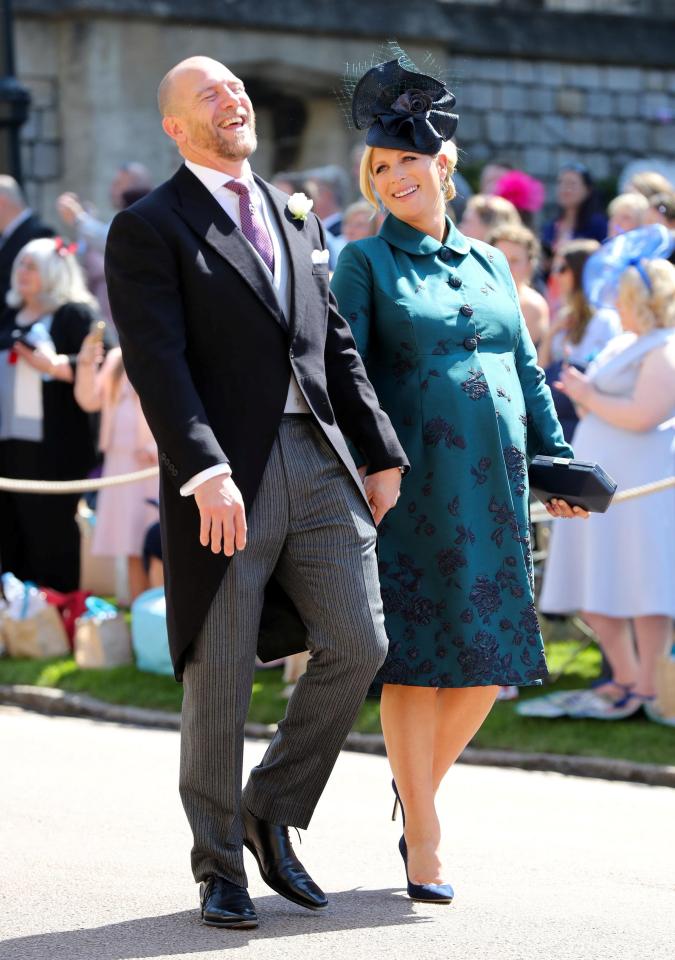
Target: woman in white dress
(620,566)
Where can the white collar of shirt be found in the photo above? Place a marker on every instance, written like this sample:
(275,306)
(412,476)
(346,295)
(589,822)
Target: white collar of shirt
(214,179)
(16,222)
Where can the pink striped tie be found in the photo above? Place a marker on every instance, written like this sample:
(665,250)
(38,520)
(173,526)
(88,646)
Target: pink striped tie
(252,224)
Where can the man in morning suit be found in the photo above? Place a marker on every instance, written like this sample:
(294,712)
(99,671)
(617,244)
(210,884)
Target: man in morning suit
(248,376)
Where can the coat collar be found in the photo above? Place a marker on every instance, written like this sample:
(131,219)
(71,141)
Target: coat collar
(407,238)
(198,208)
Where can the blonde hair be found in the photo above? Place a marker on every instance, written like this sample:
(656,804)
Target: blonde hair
(648,182)
(448,149)
(61,276)
(494,211)
(634,203)
(520,234)
(360,206)
(656,307)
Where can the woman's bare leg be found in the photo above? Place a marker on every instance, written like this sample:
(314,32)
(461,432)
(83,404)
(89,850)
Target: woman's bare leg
(654,636)
(425,730)
(460,714)
(615,638)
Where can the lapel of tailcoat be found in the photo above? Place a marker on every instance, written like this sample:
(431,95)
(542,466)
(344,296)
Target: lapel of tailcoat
(206,217)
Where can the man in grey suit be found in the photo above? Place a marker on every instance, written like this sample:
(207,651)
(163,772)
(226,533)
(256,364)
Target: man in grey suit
(248,378)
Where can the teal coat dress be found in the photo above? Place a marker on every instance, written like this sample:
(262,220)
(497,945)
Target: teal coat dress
(447,349)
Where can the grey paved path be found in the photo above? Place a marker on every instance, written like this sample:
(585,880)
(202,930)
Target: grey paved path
(94,861)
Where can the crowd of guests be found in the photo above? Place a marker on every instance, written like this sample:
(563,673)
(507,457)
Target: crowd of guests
(67,408)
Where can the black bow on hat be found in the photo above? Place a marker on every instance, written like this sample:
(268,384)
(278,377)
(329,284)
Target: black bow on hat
(403,109)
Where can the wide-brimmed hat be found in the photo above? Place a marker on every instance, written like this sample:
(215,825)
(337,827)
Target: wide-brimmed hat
(604,269)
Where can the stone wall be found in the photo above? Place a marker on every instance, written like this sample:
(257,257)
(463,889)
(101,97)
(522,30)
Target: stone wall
(529,88)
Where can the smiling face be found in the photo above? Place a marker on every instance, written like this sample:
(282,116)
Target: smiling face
(207,112)
(409,184)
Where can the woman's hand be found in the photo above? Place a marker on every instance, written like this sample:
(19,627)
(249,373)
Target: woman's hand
(576,385)
(45,360)
(91,351)
(561,509)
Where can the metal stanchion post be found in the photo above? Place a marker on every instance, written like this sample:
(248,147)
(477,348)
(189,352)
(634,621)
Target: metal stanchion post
(14,99)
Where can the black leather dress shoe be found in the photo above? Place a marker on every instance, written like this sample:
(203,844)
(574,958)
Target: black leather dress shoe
(226,904)
(279,867)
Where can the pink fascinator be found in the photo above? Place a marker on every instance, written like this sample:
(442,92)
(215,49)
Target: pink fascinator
(524,192)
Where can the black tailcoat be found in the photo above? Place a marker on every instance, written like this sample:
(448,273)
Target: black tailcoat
(208,349)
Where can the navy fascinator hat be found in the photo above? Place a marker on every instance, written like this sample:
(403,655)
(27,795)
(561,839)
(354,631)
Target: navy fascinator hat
(403,109)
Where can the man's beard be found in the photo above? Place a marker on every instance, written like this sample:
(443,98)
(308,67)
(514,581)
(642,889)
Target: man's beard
(204,137)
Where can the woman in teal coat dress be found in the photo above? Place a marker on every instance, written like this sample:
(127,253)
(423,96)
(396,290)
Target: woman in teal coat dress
(437,321)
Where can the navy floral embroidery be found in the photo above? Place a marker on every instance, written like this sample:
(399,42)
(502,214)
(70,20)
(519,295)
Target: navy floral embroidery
(507,577)
(479,472)
(453,507)
(424,385)
(403,363)
(404,572)
(442,347)
(475,386)
(501,392)
(485,597)
(449,561)
(428,488)
(465,535)
(439,429)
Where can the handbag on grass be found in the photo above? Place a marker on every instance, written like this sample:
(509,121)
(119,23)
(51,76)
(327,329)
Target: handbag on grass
(29,626)
(42,634)
(102,637)
(578,482)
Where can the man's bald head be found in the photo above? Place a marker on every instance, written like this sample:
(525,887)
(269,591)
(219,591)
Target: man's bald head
(172,88)
(206,111)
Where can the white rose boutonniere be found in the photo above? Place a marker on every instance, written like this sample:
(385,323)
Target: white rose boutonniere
(299,206)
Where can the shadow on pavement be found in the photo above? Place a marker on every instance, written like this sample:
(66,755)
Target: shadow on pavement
(183,933)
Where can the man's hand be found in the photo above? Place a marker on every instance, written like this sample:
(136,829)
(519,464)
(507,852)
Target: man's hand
(383,490)
(69,208)
(222,515)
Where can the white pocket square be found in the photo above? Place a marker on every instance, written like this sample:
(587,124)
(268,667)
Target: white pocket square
(320,256)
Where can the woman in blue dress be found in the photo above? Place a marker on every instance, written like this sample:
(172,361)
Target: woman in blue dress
(437,320)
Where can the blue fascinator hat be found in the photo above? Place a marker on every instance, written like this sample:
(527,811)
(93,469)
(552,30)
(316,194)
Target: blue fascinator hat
(403,109)
(604,269)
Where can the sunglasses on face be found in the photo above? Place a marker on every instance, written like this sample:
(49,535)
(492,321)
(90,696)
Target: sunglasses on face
(560,268)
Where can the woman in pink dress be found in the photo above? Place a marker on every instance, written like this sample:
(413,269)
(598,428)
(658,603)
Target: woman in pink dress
(123,513)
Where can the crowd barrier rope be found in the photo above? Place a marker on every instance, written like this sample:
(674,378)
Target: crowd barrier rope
(538,513)
(10,485)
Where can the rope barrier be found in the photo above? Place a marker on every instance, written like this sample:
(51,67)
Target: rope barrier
(74,486)
(538,513)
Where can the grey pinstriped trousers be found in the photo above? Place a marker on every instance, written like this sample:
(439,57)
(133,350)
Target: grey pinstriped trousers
(310,524)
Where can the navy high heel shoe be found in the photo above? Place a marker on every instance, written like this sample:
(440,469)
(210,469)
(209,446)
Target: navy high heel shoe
(397,803)
(425,892)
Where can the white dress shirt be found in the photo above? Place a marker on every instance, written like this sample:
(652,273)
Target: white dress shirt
(214,181)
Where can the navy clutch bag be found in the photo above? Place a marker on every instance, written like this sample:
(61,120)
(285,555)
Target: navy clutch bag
(580,483)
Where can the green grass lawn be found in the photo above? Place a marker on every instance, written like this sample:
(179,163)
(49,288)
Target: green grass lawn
(634,739)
